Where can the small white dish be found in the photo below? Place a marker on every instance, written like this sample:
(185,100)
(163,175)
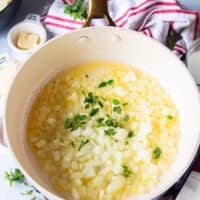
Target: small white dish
(31,24)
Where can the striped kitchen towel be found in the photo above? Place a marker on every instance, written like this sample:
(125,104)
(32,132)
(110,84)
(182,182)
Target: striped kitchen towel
(153,18)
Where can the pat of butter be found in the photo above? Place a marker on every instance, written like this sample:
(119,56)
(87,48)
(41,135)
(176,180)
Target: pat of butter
(27,41)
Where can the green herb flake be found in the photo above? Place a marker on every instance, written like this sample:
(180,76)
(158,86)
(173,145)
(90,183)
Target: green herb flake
(112,122)
(110,132)
(109,122)
(28,193)
(157,153)
(117,109)
(75,122)
(115,101)
(94,111)
(110,82)
(126,142)
(82,144)
(102,84)
(125,104)
(126,172)
(72,144)
(108,116)
(89,98)
(126,118)
(169,117)
(83,92)
(100,120)
(14,176)
(86,76)
(87,106)
(100,104)
(130,134)
(82,117)
(77,10)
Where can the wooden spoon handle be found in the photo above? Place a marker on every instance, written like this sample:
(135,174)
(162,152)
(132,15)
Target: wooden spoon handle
(98,9)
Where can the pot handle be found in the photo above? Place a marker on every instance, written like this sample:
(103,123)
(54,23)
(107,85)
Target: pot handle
(98,9)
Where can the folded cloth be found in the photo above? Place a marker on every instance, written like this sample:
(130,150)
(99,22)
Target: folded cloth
(153,18)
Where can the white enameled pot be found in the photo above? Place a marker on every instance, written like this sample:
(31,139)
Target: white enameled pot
(107,44)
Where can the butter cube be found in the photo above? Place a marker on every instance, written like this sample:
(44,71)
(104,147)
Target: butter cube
(27,41)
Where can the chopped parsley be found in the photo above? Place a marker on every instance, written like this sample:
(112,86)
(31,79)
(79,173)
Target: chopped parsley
(82,117)
(17,176)
(91,101)
(115,101)
(169,117)
(87,106)
(86,76)
(100,121)
(90,98)
(125,104)
(102,84)
(126,142)
(126,172)
(126,118)
(14,176)
(105,83)
(156,153)
(77,10)
(73,144)
(94,111)
(75,122)
(83,92)
(110,82)
(108,116)
(28,193)
(117,109)
(110,132)
(108,121)
(130,134)
(100,104)
(83,143)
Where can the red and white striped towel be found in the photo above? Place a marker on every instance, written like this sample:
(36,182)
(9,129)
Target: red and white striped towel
(154,18)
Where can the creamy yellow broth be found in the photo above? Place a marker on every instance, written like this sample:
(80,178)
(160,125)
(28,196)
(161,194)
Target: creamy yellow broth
(103,130)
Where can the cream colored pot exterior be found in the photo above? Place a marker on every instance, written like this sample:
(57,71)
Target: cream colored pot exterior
(113,44)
